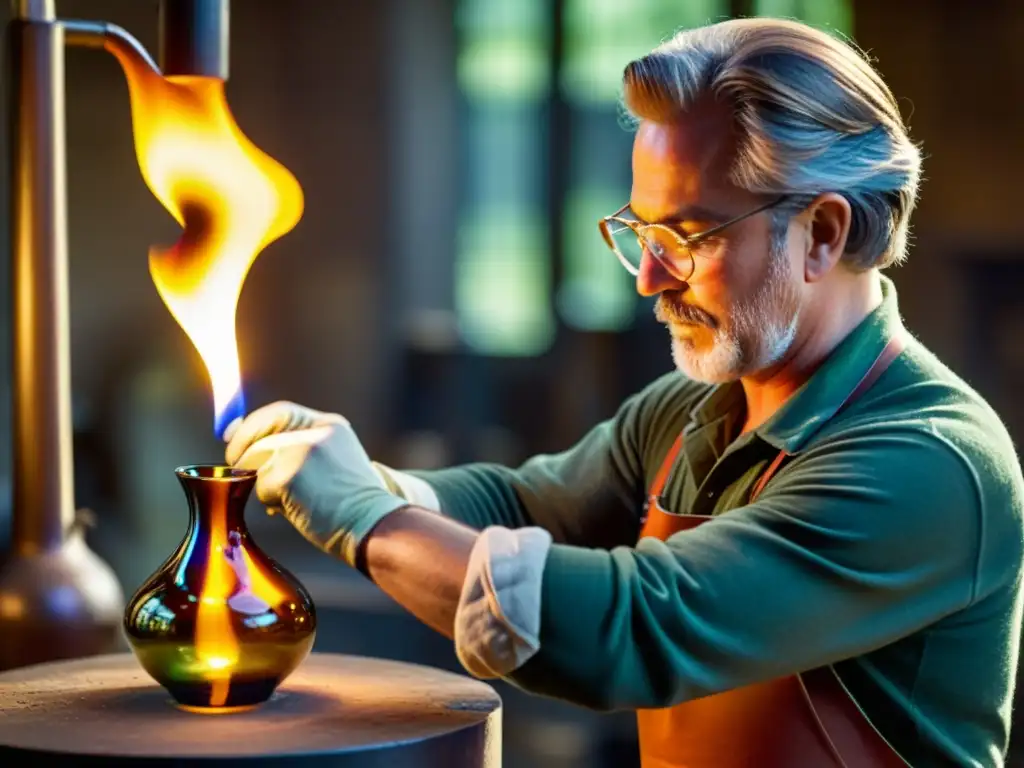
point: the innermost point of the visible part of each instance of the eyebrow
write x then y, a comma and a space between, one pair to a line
686, 213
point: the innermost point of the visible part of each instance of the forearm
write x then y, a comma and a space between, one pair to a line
480, 589
419, 560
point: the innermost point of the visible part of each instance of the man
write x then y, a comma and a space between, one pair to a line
828, 568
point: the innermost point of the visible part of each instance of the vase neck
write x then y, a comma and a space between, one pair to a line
217, 498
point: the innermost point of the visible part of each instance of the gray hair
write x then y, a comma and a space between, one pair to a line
811, 116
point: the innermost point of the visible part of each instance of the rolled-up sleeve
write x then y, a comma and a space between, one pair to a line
497, 624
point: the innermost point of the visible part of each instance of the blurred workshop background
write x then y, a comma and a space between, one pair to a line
447, 288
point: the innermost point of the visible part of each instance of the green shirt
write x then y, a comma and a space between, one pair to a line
889, 545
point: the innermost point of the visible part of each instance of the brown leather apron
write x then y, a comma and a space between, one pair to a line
806, 720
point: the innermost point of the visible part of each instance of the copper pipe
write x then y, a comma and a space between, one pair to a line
57, 599
43, 474
43, 470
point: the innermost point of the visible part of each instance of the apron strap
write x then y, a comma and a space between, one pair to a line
666, 467
885, 358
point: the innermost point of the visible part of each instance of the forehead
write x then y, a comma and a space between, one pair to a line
682, 163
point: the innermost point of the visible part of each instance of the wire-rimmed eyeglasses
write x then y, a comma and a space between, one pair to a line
629, 238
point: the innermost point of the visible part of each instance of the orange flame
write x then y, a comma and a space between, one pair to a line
232, 200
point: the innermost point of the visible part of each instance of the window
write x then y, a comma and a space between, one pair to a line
502, 267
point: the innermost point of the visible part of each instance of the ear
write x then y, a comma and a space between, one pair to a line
829, 218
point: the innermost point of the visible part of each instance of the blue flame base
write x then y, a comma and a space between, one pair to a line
235, 409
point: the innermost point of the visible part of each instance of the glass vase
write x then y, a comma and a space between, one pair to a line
220, 625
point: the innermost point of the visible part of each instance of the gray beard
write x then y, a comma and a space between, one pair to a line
758, 333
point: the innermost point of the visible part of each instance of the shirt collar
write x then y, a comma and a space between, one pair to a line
823, 394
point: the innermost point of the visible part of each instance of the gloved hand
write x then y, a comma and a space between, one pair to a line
313, 469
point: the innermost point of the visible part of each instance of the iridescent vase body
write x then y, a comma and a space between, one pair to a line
220, 625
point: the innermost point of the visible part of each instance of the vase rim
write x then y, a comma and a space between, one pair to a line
215, 473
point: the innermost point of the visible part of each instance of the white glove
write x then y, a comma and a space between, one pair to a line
413, 489
313, 469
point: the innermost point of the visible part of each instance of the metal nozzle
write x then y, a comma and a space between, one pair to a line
194, 38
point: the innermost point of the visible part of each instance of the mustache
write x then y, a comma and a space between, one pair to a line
670, 308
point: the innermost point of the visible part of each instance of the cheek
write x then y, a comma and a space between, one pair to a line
709, 289
796, 247
723, 280
746, 265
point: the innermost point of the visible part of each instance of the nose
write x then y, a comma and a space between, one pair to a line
653, 278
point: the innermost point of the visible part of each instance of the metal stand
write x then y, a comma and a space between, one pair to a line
57, 599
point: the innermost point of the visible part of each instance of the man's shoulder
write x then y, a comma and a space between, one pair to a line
922, 413
926, 395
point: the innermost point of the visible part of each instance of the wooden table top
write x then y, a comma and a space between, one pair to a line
345, 710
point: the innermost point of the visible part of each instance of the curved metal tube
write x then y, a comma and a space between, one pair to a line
43, 474
110, 37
